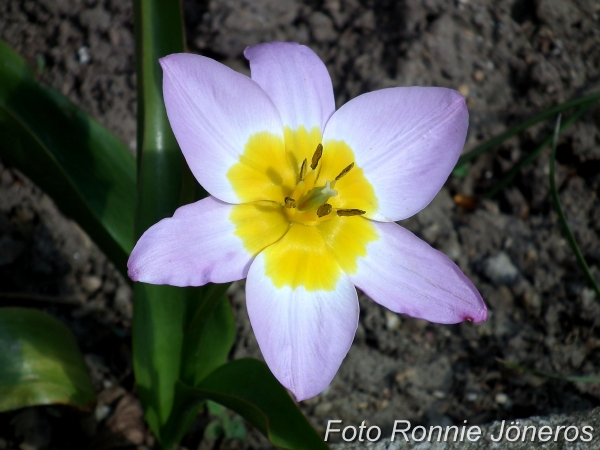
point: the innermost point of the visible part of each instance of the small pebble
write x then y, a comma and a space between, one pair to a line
501, 398
392, 321
123, 302
101, 412
439, 394
83, 55
91, 283
500, 269
472, 396
479, 76
323, 409
382, 405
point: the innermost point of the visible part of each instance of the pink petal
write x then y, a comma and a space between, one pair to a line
196, 246
407, 141
213, 111
406, 275
296, 80
303, 335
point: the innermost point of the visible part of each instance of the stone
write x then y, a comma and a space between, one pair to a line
500, 269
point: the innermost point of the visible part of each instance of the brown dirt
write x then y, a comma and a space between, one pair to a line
510, 59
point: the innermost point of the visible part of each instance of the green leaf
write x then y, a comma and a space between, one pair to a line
236, 429
460, 171
208, 334
178, 334
87, 171
571, 378
230, 428
213, 430
209, 337
529, 158
563, 218
496, 141
40, 363
248, 387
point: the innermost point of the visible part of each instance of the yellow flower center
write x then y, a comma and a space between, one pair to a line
305, 204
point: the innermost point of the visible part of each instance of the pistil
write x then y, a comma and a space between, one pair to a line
315, 200
316, 197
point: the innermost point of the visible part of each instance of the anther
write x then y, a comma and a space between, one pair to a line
290, 202
345, 171
316, 157
303, 170
324, 209
350, 212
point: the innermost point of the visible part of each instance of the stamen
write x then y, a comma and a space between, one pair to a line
345, 171
350, 212
324, 209
316, 157
290, 202
303, 170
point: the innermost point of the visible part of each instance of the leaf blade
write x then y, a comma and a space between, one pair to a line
161, 338
88, 172
260, 399
497, 140
40, 363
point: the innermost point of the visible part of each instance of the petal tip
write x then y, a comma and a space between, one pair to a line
252, 50
479, 315
165, 61
307, 392
133, 274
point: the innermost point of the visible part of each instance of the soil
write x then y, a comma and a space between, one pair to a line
511, 59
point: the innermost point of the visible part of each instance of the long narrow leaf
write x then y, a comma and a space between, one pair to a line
513, 172
496, 141
88, 172
159, 311
208, 338
571, 378
563, 219
40, 363
259, 398
166, 348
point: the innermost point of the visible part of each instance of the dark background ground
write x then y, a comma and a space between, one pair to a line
511, 59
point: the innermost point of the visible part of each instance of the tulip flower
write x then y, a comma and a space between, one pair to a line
303, 200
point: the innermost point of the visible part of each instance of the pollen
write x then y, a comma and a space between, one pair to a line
324, 209
345, 171
350, 212
302, 170
316, 157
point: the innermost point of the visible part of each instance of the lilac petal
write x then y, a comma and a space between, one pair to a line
407, 141
196, 246
213, 111
303, 335
406, 275
296, 80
